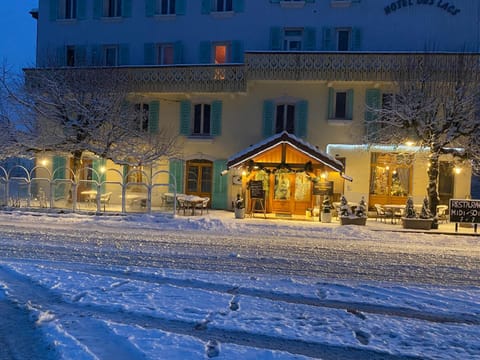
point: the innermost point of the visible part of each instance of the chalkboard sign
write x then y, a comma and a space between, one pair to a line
323, 188
465, 211
256, 189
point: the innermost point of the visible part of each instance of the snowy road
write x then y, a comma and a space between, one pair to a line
101, 289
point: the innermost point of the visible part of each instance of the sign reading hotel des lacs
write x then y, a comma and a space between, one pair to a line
447, 6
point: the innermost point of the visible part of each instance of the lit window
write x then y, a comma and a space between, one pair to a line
220, 54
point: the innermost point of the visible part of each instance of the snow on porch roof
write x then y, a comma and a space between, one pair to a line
284, 138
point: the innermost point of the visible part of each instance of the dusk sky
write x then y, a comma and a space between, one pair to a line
18, 33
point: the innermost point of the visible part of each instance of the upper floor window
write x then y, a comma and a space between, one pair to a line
285, 118
71, 56
220, 53
293, 39
67, 9
223, 5
165, 7
201, 119
340, 104
343, 39
165, 54
110, 56
112, 8
142, 117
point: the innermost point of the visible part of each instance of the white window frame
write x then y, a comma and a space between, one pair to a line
164, 7
223, 6
285, 105
202, 120
349, 44
160, 53
67, 9
289, 39
115, 52
112, 8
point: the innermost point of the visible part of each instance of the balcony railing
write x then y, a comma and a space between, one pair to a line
355, 66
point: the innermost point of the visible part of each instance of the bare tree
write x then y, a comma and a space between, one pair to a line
435, 104
86, 110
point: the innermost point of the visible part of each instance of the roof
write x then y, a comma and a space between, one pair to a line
284, 138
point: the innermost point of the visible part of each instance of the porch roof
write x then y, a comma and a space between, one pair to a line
284, 137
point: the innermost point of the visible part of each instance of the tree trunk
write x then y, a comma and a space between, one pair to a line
77, 161
432, 189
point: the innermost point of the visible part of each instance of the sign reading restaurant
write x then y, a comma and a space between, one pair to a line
441, 4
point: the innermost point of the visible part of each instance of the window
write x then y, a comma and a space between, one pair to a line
111, 56
142, 117
112, 8
223, 5
220, 53
340, 105
343, 40
199, 177
292, 39
165, 7
201, 119
391, 175
165, 54
285, 118
71, 56
67, 9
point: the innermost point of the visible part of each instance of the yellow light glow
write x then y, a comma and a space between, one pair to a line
409, 143
457, 170
103, 169
244, 173
44, 162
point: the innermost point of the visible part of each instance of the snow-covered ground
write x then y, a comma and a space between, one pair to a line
156, 287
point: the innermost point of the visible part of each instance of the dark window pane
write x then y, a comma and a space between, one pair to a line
343, 40
197, 119
206, 179
206, 119
280, 118
192, 182
340, 105
290, 126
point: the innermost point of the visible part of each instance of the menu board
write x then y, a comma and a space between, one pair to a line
323, 188
256, 189
464, 211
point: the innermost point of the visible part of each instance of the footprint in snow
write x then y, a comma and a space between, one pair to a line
356, 313
362, 337
234, 304
212, 348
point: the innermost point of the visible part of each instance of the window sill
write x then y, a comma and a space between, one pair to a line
340, 3
339, 122
66, 21
162, 17
222, 14
292, 4
112, 18
201, 138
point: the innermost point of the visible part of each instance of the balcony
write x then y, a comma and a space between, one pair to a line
354, 66
191, 78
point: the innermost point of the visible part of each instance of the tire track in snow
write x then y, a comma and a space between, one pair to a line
81, 321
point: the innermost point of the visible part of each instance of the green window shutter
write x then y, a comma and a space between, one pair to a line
268, 115
206, 6
176, 169
149, 53
61, 59
81, 9
349, 112
220, 185
205, 52
180, 7
216, 129
153, 116
97, 56
97, 9
276, 38
81, 55
237, 52
331, 101
327, 40
310, 39
127, 8
301, 118
149, 8
356, 39
178, 52
124, 50
185, 112
53, 10
238, 6
58, 170
99, 176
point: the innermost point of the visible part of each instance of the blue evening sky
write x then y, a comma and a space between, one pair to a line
17, 33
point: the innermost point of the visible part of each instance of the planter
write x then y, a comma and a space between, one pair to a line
239, 213
347, 220
326, 217
418, 224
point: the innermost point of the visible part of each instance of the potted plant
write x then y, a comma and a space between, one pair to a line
411, 220
239, 208
326, 214
347, 217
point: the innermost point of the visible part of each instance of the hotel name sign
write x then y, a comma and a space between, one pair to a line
447, 6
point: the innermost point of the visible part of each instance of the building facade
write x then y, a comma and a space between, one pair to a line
229, 76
